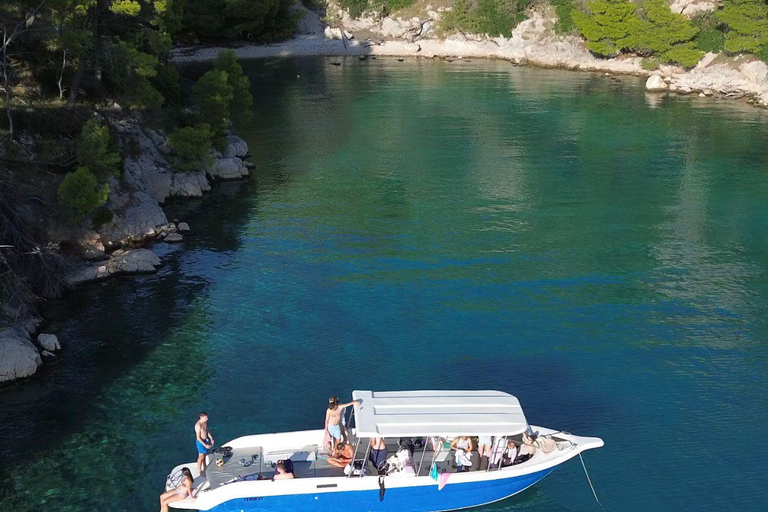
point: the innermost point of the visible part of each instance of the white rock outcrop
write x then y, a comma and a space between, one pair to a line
182, 226
189, 184
49, 342
228, 169
236, 147
656, 84
173, 238
18, 356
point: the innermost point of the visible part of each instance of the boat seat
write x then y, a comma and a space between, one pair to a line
304, 454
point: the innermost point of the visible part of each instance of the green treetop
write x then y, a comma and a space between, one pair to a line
242, 100
80, 194
213, 96
747, 24
609, 26
94, 151
666, 34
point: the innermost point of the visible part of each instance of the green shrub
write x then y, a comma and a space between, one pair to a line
80, 194
666, 34
213, 96
650, 64
242, 101
710, 38
763, 53
102, 215
609, 26
94, 150
492, 17
356, 8
260, 20
191, 145
394, 5
747, 23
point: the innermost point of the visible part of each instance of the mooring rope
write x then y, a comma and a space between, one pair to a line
589, 480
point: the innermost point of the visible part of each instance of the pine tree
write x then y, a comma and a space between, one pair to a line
610, 26
666, 34
747, 22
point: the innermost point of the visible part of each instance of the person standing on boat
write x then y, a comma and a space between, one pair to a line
463, 446
333, 426
484, 444
378, 453
203, 441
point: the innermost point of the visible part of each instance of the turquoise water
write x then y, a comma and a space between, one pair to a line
597, 252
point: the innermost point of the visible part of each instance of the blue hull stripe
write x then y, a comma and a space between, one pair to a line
403, 499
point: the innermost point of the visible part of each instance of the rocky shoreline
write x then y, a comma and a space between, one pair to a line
533, 42
147, 182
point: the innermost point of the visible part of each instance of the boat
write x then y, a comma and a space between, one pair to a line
420, 474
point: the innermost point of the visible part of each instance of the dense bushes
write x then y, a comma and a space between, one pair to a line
94, 151
746, 24
191, 145
356, 8
650, 28
564, 10
613, 26
492, 17
80, 193
258, 20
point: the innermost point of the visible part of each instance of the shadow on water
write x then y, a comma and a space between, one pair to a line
90, 415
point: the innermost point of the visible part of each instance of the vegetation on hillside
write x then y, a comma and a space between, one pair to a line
649, 28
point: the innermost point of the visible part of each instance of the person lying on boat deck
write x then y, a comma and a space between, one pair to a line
345, 452
181, 492
378, 453
484, 444
203, 441
333, 424
282, 472
463, 446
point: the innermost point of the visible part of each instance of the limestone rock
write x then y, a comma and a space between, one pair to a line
189, 184
136, 261
93, 251
228, 169
156, 137
49, 342
18, 356
655, 84
755, 71
183, 226
173, 238
236, 147
48, 357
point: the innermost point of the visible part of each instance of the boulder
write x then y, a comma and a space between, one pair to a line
189, 184
227, 169
18, 356
49, 342
655, 84
48, 357
236, 147
755, 71
182, 226
156, 138
136, 261
173, 238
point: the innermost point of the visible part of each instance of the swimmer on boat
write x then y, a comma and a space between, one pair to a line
203, 441
183, 491
333, 426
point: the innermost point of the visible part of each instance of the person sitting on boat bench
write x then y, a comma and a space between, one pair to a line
527, 449
509, 455
345, 452
182, 492
282, 472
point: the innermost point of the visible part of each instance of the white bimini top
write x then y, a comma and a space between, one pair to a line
437, 413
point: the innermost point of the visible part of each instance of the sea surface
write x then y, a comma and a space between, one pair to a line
596, 251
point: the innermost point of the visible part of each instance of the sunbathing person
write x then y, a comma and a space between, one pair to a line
344, 455
527, 449
183, 491
282, 472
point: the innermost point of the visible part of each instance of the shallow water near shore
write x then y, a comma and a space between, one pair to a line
598, 252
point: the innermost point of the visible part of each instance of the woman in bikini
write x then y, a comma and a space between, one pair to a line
183, 491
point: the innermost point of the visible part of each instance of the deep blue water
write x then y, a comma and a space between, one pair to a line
597, 252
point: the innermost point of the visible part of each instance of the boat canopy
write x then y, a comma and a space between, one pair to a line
437, 413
